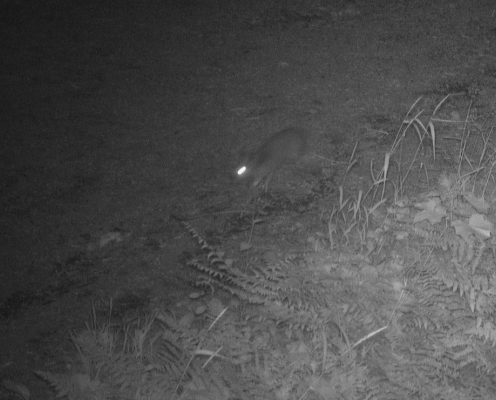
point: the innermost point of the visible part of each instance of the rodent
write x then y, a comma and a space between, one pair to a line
281, 148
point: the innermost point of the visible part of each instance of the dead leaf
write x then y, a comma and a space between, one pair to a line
479, 204
462, 229
243, 246
433, 212
481, 226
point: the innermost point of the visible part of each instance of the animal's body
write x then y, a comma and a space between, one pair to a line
280, 149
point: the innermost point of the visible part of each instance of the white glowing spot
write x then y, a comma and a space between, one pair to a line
242, 170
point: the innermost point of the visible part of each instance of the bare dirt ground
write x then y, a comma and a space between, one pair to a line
119, 117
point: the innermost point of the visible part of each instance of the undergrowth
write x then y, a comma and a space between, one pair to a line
417, 324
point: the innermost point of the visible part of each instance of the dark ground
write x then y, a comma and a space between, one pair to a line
117, 115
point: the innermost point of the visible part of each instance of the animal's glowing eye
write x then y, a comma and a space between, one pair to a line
242, 170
